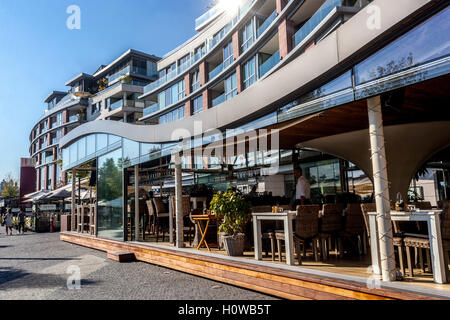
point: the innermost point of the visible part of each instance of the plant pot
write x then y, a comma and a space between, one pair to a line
234, 245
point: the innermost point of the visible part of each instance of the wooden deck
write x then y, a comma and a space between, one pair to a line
309, 282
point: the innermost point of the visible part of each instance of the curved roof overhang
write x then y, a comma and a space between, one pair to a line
325, 58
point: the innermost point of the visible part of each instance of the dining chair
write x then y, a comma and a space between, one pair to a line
306, 231
331, 226
188, 226
397, 239
354, 229
162, 218
424, 243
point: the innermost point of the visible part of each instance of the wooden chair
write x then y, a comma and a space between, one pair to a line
83, 219
267, 230
330, 228
424, 243
353, 229
306, 230
162, 218
92, 219
397, 240
188, 225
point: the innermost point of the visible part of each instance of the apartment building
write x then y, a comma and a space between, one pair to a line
110, 93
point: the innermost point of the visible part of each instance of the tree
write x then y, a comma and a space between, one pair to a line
10, 187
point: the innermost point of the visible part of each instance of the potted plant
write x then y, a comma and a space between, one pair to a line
234, 211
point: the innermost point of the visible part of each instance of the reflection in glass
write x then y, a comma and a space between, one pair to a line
102, 141
109, 196
427, 42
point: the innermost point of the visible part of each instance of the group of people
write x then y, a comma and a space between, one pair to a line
8, 222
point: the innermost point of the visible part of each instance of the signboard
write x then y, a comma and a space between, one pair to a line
68, 207
28, 209
2, 203
15, 210
47, 207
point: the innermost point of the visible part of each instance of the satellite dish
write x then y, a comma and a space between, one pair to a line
82, 94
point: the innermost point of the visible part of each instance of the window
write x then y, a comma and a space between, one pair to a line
195, 78
228, 55
250, 72
197, 105
172, 95
230, 87
183, 60
59, 119
94, 108
99, 105
200, 51
172, 116
248, 35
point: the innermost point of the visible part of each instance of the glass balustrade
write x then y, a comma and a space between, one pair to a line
319, 16
212, 44
269, 64
151, 109
216, 71
218, 100
117, 75
267, 23
116, 105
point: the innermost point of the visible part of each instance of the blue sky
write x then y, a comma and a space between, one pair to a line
38, 53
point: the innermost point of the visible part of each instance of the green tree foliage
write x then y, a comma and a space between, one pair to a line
109, 181
10, 188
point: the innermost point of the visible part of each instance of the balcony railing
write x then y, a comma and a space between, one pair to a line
120, 104
211, 45
216, 71
318, 17
266, 23
218, 100
117, 75
151, 109
269, 64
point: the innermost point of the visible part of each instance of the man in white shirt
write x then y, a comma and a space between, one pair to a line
302, 190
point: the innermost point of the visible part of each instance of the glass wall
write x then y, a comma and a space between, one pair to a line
425, 43
109, 196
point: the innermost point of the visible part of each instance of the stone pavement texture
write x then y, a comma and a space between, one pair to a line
35, 266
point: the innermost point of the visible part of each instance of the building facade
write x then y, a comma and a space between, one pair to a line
108, 94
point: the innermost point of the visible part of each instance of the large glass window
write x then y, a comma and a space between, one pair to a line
102, 141
197, 105
195, 78
109, 196
130, 149
230, 87
248, 35
424, 43
228, 54
250, 72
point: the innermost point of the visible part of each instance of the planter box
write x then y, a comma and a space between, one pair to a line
234, 245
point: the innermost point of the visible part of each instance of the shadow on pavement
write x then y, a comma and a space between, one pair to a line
17, 279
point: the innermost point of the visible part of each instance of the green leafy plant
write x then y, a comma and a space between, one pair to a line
233, 209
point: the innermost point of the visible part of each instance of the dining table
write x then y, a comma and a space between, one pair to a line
432, 217
286, 217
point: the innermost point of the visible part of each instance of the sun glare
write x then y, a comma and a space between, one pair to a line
230, 6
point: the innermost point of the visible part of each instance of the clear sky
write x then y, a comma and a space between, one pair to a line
38, 53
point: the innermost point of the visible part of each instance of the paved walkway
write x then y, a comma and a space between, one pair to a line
38, 266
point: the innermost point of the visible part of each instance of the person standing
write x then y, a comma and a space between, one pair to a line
21, 221
302, 190
9, 222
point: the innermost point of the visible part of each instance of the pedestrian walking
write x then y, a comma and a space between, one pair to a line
9, 222
21, 221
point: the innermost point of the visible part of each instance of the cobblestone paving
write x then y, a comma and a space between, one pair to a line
35, 266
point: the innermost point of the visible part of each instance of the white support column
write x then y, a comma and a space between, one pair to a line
381, 183
136, 203
179, 202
